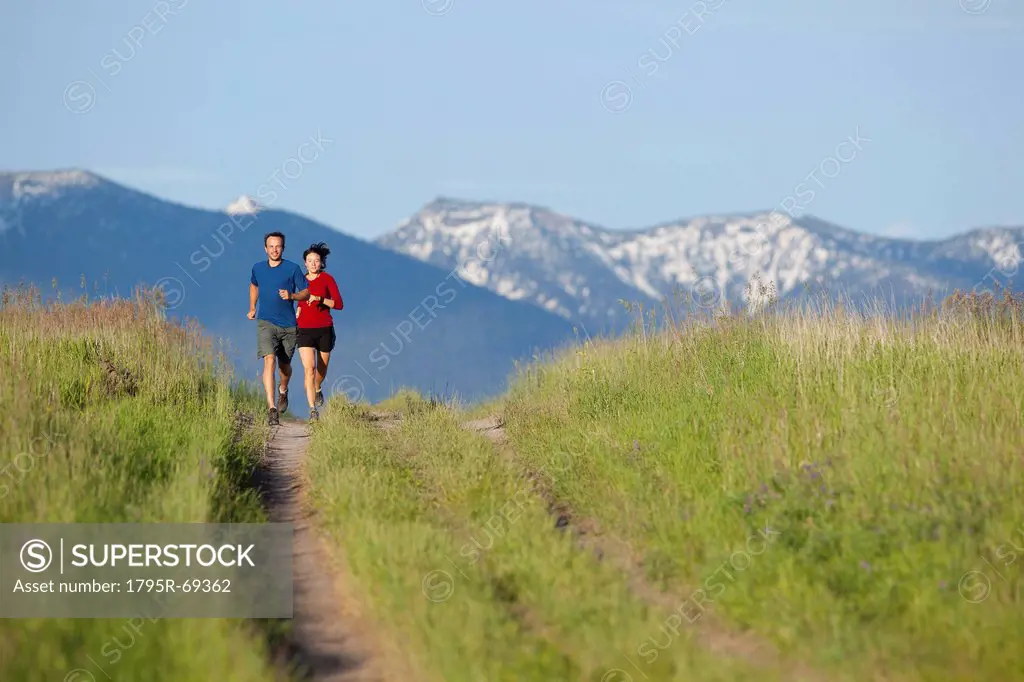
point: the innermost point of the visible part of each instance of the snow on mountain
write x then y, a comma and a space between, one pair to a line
30, 190
16, 188
582, 271
522, 253
243, 205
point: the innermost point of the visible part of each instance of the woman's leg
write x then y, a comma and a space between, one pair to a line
321, 368
324, 357
308, 355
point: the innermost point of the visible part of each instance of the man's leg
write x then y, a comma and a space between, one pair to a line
265, 350
268, 379
287, 338
286, 375
284, 364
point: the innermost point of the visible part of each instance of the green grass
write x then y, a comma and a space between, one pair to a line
108, 414
847, 489
887, 455
458, 560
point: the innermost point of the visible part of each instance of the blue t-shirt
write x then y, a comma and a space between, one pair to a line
272, 307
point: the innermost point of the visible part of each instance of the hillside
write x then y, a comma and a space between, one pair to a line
110, 415
404, 323
580, 270
790, 497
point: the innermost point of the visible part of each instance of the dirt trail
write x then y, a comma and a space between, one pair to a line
708, 632
330, 639
491, 427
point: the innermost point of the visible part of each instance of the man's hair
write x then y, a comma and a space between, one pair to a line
320, 249
268, 235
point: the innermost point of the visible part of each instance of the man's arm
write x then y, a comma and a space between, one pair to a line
301, 286
254, 294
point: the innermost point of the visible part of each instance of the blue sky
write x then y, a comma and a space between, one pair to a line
200, 101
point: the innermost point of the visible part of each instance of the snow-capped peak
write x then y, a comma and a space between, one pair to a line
582, 271
18, 190
243, 205
16, 187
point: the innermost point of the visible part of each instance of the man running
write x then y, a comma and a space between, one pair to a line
276, 331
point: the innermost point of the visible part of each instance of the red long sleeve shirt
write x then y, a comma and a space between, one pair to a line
317, 314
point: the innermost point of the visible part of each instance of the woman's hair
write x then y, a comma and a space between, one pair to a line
320, 249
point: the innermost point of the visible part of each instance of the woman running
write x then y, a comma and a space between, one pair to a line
316, 328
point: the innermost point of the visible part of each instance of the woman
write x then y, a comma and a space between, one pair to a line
316, 328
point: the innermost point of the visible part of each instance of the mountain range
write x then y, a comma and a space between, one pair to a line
581, 271
455, 295
404, 322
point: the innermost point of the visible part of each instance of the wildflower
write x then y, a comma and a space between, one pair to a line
865, 565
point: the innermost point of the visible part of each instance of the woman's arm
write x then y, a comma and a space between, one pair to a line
332, 288
334, 301
329, 302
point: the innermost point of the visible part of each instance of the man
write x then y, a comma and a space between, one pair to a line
276, 332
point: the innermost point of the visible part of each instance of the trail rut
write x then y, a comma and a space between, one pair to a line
712, 635
329, 640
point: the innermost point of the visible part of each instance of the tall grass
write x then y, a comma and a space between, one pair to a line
109, 413
459, 563
885, 450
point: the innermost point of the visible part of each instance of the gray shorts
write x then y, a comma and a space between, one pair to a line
279, 341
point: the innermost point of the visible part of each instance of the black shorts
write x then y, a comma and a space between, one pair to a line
321, 338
